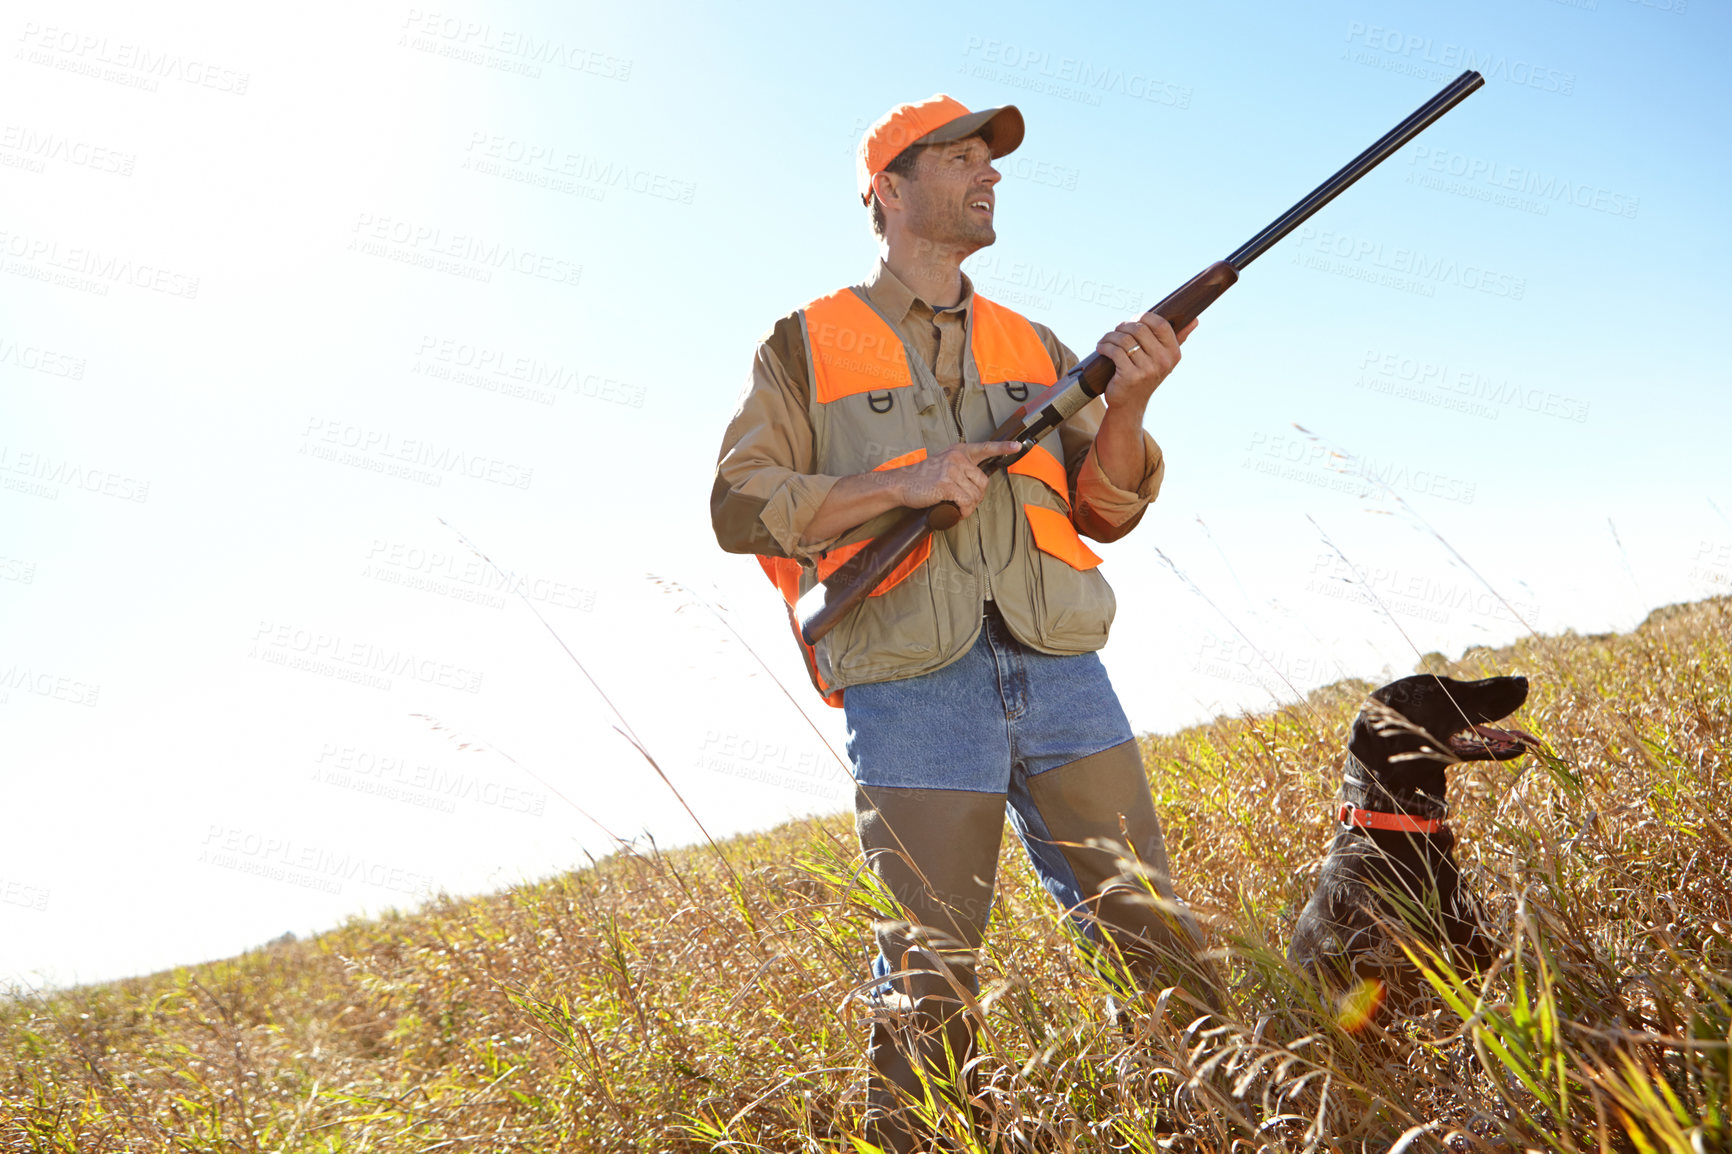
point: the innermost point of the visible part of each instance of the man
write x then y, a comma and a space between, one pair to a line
969, 679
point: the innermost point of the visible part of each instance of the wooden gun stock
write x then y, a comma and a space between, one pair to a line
819, 610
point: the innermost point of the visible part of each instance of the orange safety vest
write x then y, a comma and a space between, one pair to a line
853, 351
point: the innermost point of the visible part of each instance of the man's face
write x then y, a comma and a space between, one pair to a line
952, 197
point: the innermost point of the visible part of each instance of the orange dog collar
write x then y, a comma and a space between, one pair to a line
1351, 814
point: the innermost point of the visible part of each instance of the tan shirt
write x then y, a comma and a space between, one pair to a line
765, 491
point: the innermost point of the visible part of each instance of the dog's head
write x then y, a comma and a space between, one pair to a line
1412, 729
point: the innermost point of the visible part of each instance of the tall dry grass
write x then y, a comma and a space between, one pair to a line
702, 999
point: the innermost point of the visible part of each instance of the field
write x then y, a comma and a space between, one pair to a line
703, 999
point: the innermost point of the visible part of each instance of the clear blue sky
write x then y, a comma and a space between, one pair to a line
279, 294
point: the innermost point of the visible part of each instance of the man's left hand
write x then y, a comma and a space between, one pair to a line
1143, 352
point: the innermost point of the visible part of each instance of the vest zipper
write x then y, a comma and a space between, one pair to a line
962, 438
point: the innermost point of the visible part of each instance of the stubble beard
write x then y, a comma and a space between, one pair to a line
952, 227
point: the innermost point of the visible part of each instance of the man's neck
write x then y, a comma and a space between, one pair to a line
933, 271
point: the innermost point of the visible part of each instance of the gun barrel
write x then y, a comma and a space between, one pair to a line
1452, 95
825, 604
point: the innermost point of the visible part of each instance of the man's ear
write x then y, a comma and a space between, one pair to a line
884, 186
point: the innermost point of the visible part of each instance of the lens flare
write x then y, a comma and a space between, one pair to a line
1359, 1005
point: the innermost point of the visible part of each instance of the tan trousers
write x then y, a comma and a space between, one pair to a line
937, 852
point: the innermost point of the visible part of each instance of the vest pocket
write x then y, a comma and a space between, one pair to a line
1071, 603
905, 628
1074, 607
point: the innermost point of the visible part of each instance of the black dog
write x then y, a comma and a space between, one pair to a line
1392, 862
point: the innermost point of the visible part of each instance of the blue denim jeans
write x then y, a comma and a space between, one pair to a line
989, 722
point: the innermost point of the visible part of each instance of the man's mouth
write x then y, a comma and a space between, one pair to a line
1483, 743
981, 206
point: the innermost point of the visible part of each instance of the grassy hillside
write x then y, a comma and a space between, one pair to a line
679, 1001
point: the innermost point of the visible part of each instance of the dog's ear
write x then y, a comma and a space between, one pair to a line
1393, 736
1407, 692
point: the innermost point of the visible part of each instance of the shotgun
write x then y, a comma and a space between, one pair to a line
824, 605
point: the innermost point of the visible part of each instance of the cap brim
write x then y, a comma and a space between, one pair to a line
1001, 128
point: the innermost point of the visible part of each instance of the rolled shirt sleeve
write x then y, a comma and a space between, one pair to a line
1102, 509
765, 493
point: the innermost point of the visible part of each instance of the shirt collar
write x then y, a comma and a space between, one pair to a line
894, 298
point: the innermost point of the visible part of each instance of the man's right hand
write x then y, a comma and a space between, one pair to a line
953, 475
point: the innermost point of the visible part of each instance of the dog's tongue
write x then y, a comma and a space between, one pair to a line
1478, 740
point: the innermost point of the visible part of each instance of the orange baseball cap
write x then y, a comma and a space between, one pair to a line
936, 120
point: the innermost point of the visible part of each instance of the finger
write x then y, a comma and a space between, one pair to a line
966, 492
1159, 329
1147, 338
986, 450
1187, 330
1117, 352
1136, 338
967, 483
